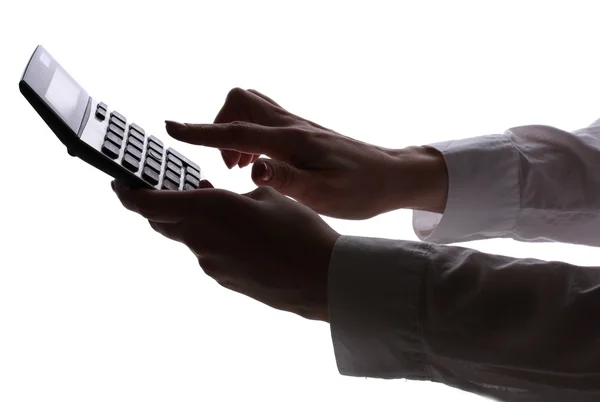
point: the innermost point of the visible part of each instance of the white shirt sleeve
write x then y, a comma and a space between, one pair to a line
532, 183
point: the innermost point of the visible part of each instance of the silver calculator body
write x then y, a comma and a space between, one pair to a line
99, 135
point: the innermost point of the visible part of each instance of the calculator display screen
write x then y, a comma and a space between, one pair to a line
63, 93
56, 88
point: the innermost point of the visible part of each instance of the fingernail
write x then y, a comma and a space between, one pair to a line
205, 184
228, 161
264, 171
174, 126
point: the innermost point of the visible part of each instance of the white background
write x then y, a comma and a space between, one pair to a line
95, 306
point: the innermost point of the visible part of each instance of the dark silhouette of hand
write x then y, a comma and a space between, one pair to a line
332, 174
261, 244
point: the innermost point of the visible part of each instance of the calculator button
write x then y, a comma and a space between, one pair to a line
185, 160
188, 186
137, 128
135, 142
177, 155
154, 146
190, 170
110, 149
153, 154
153, 139
117, 123
137, 135
193, 166
170, 185
192, 180
119, 116
131, 163
150, 175
101, 111
174, 160
172, 176
114, 139
116, 130
137, 154
153, 164
100, 114
173, 167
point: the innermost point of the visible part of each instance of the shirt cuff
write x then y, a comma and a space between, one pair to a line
483, 191
374, 292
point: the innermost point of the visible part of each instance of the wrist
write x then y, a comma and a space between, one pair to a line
421, 179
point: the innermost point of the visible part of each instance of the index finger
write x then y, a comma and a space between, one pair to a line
276, 142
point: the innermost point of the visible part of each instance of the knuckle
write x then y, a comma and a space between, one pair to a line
263, 192
284, 176
221, 196
238, 125
300, 137
236, 94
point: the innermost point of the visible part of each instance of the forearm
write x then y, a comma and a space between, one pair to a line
484, 323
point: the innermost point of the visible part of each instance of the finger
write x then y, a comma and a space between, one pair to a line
246, 106
281, 109
205, 184
277, 142
281, 176
172, 206
265, 97
231, 158
171, 231
254, 158
245, 160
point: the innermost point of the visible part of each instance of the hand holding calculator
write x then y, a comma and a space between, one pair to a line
100, 136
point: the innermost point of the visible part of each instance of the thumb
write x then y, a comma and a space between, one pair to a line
283, 177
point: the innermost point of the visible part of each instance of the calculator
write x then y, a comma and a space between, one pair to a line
99, 135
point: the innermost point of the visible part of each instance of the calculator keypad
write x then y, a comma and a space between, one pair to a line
167, 167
